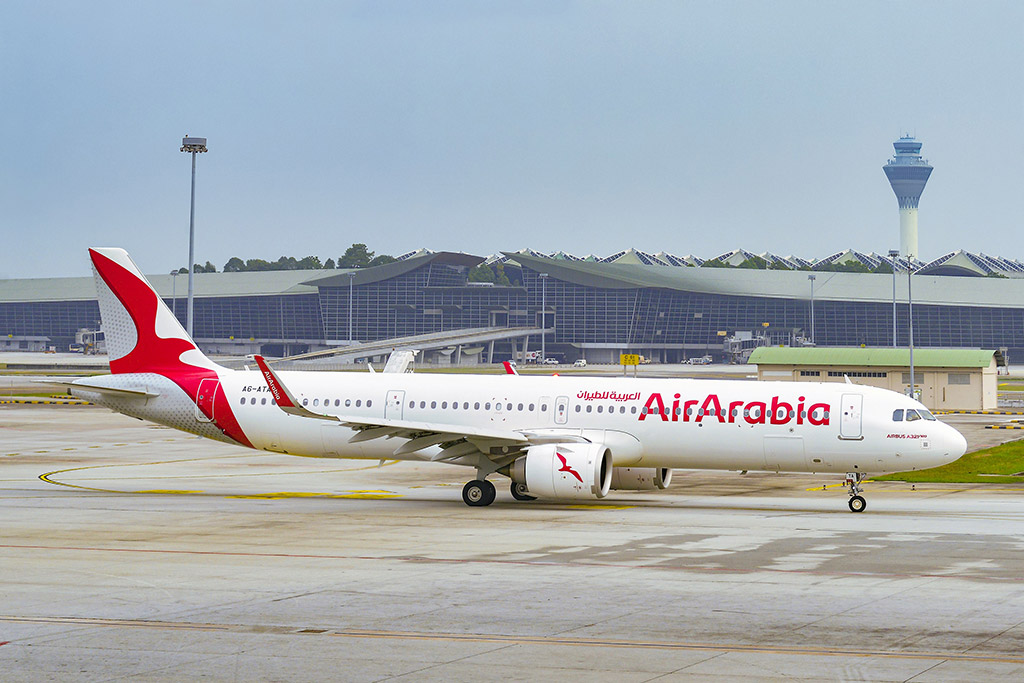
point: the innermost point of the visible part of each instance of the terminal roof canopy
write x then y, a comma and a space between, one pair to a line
887, 357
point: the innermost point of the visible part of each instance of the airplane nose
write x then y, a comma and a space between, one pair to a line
954, 444
959, 446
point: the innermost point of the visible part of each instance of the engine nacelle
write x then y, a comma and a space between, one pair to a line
565, 470
640, 478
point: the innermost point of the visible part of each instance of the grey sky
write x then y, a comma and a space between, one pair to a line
693, 127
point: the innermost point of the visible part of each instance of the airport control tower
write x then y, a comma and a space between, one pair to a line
907, 173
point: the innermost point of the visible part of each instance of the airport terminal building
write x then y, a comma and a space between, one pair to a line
664, 307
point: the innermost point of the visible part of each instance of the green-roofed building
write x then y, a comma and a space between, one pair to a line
950, 379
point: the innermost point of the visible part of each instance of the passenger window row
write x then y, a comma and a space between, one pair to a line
712, 412
337, 402
600, 409
252, 401
455, 405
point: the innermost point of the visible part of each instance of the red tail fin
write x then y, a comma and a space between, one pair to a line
142, 334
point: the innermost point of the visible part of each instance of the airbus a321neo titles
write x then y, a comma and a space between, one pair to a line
564, 438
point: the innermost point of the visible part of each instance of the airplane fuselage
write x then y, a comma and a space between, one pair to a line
675, 423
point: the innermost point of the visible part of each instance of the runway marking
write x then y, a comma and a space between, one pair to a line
984, 487
542, 563
368, 495
834, 486
784, 650
357, 494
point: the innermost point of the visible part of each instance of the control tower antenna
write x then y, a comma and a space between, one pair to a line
907, 173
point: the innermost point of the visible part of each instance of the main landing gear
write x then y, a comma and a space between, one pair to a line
857, 502
478, 493
520, 492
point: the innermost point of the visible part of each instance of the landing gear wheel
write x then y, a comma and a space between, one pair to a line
478, 493
520, 492
857, 502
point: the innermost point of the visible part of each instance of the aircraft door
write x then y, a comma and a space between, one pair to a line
205, 396
850, 416
393, 407
561, 410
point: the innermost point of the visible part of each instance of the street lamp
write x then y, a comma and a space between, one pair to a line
894, 254
910, 316
812, 278
351, 283
543, 315
193, 146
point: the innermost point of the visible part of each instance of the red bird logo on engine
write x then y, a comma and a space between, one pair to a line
565, 467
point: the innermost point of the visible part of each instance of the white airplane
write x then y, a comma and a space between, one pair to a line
566, 438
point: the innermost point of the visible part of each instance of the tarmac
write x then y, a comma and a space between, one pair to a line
129, 551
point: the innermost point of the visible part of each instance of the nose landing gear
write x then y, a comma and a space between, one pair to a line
857, 502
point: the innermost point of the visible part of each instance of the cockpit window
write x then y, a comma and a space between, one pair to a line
912, 415
925, 414
897, 415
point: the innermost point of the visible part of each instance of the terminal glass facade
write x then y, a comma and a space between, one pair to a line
582, 319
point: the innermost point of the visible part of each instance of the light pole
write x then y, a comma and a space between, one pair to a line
193, 146
910, 316
351, 284
894, 254
543, 315
174, 293
812, 278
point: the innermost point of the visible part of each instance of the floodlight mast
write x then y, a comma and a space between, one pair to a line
894, 255
193, 146
811, 278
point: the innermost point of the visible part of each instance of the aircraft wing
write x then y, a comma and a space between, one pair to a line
419, 434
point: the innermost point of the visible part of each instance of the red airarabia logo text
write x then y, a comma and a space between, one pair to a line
776, 412
565, 467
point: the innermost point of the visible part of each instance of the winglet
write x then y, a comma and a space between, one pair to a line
510, 369
282, 397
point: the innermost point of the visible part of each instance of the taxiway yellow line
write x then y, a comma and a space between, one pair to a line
369, 494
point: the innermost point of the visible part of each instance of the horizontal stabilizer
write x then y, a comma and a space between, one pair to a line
87, 385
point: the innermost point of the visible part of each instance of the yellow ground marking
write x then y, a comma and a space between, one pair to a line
920, 488
368, 494
823, 487
44, 401
303, 494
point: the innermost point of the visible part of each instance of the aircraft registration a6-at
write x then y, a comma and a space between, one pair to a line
562, 438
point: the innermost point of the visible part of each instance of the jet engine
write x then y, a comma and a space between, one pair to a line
640, 478
564, 470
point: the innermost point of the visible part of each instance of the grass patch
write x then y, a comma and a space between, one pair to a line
1006, 459
1011, 387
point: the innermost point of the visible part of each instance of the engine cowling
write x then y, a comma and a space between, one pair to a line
640, 478
576, 471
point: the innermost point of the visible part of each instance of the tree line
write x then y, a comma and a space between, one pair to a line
356, 256
758, 263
